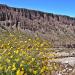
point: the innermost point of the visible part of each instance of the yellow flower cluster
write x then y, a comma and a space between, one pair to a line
22, 55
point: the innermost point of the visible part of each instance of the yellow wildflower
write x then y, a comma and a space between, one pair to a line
8, 60
0, 57
16, 51
1, 67
34, 72
14, 67
21, 65
17, 59
19, 72
9, 67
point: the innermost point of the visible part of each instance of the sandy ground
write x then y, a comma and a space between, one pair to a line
67, 59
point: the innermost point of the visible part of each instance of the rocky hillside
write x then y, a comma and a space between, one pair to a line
58, 29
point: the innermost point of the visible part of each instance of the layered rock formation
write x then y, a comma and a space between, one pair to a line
58, 29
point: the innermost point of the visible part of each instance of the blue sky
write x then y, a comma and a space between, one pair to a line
64, 7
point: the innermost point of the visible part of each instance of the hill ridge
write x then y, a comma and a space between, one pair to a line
58, 29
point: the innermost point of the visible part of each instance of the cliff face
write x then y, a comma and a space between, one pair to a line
60, 30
